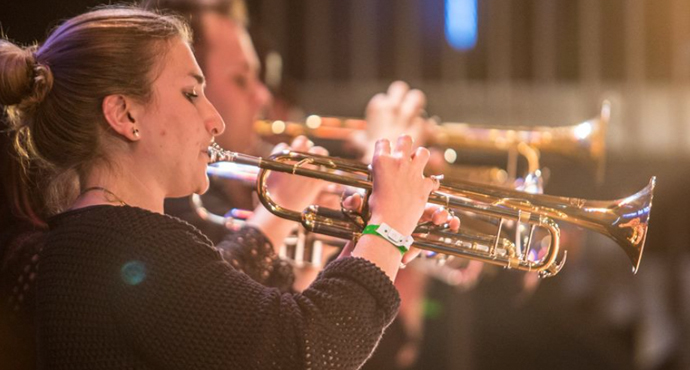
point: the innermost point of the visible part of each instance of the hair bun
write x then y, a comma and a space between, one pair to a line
22, 79
42, 82
16, 72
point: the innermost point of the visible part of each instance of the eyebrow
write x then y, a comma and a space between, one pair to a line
245, 66
199, 78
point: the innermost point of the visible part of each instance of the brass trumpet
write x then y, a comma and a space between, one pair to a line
584, 140
624, 220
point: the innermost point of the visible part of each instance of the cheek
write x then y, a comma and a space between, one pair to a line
163, 132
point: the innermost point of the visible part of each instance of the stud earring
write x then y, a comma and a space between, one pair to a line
135, 132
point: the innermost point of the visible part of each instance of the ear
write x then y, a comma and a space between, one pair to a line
116, 110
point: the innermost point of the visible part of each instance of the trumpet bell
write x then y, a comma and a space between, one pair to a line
629, 230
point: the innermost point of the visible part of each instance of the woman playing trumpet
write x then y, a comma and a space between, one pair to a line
113, 105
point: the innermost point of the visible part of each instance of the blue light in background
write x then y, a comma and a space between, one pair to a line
461, 23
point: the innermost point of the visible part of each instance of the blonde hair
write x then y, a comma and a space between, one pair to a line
53, 96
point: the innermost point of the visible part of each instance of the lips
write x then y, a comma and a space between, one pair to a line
205, 150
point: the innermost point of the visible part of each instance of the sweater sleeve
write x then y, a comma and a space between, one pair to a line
249, 251
189, 308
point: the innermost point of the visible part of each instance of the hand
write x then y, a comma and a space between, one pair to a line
389, 115
400, 190
291, 191
432, 213
438, 216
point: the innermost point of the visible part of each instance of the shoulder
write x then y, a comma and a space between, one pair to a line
124, 229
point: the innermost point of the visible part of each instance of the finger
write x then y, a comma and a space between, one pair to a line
396, 93
300, 143
430, 185
411, 106
318, 150
410, 255
437, 160
347, 249
353, 202
418, 130
279, 148
454, 223
383, 146
421, 157
429, 211
404, 146
440, 217
474, 268
375, 104
434, 181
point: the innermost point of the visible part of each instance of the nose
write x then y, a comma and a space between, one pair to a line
262, 96
212, 120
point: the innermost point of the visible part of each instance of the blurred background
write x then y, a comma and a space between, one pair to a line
512, 62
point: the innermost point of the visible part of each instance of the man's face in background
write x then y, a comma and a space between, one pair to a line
231, 67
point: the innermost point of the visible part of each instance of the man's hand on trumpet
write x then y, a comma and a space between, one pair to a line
292, 192
296, 192
392, 114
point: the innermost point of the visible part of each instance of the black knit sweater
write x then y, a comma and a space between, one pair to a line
124, 288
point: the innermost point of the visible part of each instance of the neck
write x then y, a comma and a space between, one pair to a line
132, 188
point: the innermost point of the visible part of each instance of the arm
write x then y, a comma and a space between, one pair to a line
251, 252
195, 310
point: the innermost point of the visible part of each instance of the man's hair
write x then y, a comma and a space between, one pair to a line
191, 11
233, 9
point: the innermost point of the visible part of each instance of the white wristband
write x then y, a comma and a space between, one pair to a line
393, 236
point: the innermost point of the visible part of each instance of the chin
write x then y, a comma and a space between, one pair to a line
203, 188
202, 185
199, 187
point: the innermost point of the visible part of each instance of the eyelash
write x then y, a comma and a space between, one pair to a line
191, 96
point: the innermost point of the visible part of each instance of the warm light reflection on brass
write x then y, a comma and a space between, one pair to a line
624, 221
582, 141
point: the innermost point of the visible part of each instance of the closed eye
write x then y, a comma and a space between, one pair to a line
241, 81
191, 96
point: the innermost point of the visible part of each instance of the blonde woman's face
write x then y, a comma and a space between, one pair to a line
178, 125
